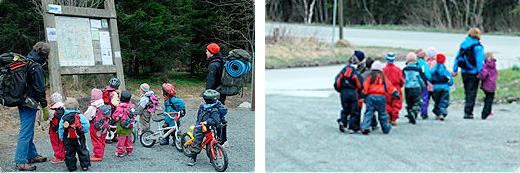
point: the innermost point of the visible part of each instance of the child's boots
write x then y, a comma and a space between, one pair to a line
166, 141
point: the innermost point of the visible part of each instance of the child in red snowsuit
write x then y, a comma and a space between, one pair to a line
395, 76
98, 114
56, 111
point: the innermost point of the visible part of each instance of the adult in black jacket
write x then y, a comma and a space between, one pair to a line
26, 150
214, 69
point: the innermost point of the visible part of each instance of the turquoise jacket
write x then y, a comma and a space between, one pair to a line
424, 67
479, 56
173, 104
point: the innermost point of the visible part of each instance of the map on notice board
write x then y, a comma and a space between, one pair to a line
74, 41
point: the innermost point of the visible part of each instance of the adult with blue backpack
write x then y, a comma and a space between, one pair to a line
470, 59
22, 85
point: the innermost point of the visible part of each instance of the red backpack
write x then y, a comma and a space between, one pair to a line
102, 117
106, 97
74, 128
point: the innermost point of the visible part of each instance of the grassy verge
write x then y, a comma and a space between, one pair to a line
303, 52
507, 86
420, 29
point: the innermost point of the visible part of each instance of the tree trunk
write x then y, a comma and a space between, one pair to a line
311, 11
466, 18
372, 20
448, 16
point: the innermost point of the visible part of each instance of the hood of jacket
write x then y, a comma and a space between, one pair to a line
209, 106
58, 105
126, 104
490, 64
70, 111
147, 94
97, 103
33, 55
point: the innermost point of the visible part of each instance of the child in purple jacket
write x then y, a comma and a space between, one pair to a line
488, 75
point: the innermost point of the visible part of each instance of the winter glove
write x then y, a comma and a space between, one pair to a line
46, 113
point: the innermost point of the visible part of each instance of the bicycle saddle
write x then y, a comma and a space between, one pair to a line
158, 119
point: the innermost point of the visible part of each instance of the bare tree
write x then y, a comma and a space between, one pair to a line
310, 11
447, 11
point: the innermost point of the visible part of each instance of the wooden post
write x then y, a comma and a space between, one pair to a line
54, 66
114, 39
340, 18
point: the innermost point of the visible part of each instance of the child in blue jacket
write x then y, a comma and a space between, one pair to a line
72, 130
415, 81
441, 79
172, 104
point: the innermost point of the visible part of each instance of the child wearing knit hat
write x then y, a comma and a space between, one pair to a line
348, 82
147, 106
375, 87
427, 93
394, 75
56, 110
441, 79
415, 81
98, 114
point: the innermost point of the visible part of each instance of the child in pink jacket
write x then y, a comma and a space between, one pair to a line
98, 114
56, 111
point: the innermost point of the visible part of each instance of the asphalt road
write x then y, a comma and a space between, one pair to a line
159, 158
302, 135
506, 48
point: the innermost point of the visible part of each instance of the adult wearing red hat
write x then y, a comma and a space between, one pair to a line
214, 69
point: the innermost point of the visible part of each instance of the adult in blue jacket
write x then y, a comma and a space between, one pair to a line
469, 76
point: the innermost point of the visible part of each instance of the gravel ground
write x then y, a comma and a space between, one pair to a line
302, 135
157, 158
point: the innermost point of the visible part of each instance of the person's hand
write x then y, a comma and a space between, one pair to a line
46, 113
204, 123
454, 74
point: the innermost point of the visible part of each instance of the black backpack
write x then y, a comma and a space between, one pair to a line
466, 58
235, 66
439, 78
14, 70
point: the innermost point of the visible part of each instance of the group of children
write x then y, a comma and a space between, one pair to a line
425, 76
110, 107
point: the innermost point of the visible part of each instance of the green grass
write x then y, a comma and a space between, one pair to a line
506, 85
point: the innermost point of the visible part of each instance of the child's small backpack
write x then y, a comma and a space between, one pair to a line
222, 110
106, 97
58, 113
102, 117
152, 103
438, 77
75, 126
128, 117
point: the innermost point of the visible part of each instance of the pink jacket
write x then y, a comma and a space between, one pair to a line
431, 63
91, 111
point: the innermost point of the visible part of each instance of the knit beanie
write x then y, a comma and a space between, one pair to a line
126, 96
56, 97
96, 94
144, 87
71, 103
213, 48
360, 55
390, 57
377, 65
441, 58
431, 52
411, 57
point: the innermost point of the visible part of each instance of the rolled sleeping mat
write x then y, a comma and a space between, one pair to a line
236, 68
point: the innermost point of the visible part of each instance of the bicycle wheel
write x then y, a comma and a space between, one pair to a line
186, 147
147, 139
220, 161
178, 141
133, 137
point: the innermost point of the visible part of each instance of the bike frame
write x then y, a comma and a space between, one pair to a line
209, 138
160, 129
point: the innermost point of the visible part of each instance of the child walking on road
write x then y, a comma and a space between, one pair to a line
394, 75
415, 81
442, 80
488, 75
348, 83
375, 87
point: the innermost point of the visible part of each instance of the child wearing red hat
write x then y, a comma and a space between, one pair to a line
441, 79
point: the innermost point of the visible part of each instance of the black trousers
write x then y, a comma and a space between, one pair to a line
488, 103
222, 132
198, 136
222, 98
470, 90
73, 147
413, 101
349, 103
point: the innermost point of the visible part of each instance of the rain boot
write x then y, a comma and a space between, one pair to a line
193, 161
166, 141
